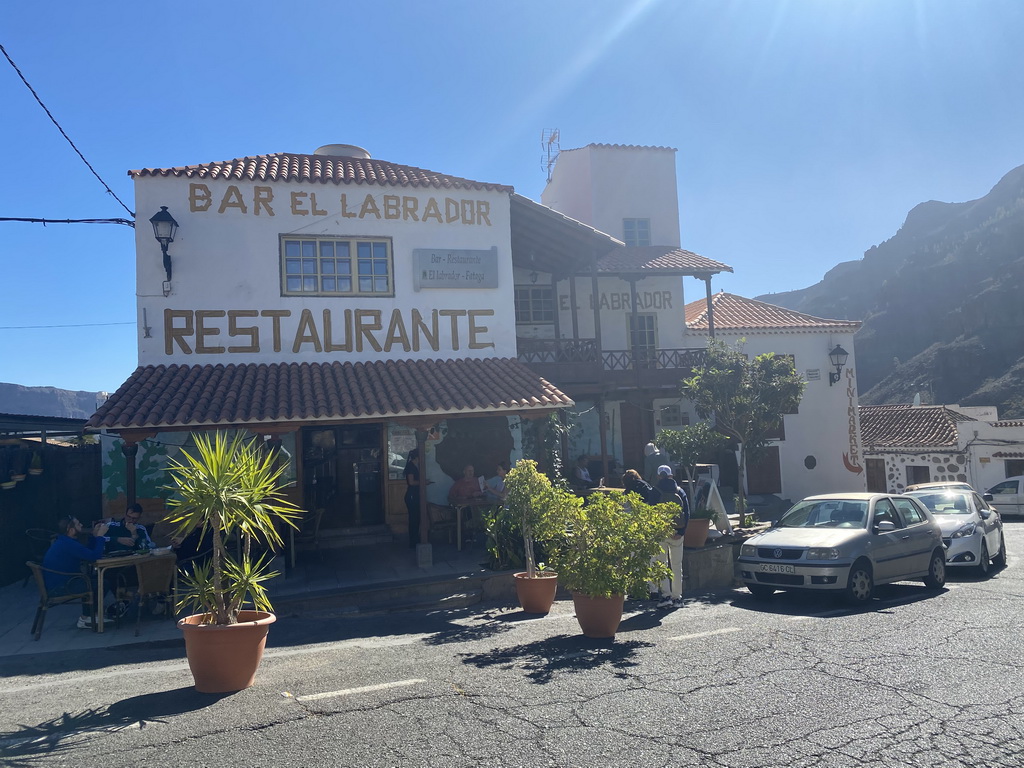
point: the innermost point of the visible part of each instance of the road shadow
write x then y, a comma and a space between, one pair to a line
58, 737
823, 605
542, 660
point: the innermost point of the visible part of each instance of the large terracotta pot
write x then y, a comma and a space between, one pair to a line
696, 532
224, 659
537, 594
599, 617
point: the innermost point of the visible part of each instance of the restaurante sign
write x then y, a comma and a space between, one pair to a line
206, 331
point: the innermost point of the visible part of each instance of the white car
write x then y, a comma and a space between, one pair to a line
1008, 496
846, 543
972, 530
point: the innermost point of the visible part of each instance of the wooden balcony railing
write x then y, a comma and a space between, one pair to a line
575, 360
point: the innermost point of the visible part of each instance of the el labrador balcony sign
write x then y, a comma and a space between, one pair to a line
456, 268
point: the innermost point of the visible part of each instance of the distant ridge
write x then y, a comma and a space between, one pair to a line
942, 302
48, 401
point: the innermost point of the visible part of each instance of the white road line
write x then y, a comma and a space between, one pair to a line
724, 631
364, 689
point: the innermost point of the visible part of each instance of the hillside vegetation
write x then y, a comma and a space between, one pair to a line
942, 302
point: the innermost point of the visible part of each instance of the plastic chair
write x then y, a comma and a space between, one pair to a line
156, 579
46, 600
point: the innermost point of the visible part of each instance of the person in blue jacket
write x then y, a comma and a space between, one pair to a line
66, 555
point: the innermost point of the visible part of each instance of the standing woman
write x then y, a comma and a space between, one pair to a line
412, 495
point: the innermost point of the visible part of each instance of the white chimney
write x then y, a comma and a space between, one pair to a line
343, 150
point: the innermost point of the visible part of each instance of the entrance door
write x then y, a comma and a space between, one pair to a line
342, 474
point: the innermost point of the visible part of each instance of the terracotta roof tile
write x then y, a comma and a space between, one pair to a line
905, 426
658, 258
739, 313
323, 169
206, 395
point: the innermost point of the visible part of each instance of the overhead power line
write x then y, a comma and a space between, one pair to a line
75, 325
126, 222
62, 132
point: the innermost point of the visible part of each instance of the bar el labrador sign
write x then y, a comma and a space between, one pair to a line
455, 268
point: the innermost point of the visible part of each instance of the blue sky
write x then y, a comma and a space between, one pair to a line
806, 129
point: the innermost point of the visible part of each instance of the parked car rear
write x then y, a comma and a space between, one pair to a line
1008, 496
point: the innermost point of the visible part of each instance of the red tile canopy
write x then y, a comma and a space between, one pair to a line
167, 397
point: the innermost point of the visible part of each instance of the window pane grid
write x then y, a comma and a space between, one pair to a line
323, 266
535, 304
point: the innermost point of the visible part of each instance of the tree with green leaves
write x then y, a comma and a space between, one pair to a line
689, 446
231, 487
747, 399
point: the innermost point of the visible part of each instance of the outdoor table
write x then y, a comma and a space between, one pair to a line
470, 506
122, 561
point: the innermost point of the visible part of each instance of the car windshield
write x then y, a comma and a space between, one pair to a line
827, 513
945, 503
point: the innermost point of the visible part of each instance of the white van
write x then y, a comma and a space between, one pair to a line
1008, 496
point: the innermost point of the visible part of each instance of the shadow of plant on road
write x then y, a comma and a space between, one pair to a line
543, 659
59, 736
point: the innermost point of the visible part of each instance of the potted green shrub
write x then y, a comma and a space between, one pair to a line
536, 507
228, 488
697, 529
606, 550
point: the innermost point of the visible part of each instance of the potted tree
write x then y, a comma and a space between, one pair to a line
536, 507
697, 529
606, 550
227, 488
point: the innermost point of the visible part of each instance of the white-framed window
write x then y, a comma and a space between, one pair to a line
336, 266
673, 416
535, 304
636, 231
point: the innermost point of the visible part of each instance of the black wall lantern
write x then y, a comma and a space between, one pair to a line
164, 227
838, 359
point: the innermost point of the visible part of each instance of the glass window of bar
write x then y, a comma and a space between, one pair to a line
336, 266
535, 304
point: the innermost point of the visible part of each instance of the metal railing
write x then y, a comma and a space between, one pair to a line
542, 351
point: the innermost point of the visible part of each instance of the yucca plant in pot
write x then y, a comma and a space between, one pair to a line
538, 509
229, 488
606, 550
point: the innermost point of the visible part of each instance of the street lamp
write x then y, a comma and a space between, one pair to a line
164, 227
838, 358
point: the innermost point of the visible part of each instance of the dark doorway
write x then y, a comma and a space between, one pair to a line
342, 474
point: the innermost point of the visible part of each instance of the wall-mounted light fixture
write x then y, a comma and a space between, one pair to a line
533, 277
838, 358
164, 227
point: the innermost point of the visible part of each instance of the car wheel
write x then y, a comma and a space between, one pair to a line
1000, 559
936, 578
983, 561
860, 585
761, 591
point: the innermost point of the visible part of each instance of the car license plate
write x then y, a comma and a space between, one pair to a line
776, 568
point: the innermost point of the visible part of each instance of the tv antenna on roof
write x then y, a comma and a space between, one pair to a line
550, 146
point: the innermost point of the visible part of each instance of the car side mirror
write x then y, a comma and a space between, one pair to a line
985, 513
987, 497
884, 526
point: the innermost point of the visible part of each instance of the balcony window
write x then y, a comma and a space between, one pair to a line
535, 304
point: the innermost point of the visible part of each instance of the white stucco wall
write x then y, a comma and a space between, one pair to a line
826, 428
226, 258
601, 185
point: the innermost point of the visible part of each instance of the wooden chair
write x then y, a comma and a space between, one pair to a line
78, 589
442, 518
308, 533
156, 579
38, 540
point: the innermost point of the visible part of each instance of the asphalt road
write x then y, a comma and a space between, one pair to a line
916, 679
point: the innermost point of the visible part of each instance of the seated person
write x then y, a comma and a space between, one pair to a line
466, 489
67, 555
495, 488
633, 483
128, 533
581, 475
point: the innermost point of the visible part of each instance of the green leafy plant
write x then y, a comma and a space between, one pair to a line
608, 546
704, 513
535, 506
689, 446
229, 487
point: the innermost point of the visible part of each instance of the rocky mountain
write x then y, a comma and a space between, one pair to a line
48, 401
941, 301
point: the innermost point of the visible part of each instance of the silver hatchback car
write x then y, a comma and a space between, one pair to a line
846, 543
